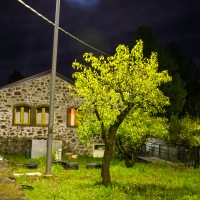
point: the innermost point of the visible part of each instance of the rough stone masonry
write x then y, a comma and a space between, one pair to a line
34, 92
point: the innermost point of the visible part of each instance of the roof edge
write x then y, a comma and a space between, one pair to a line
34, 77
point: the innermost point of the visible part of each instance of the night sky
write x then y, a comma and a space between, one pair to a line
26, 40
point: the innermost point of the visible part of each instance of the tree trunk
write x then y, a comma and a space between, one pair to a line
188, 156
130, 158
197, 157
108, 154
128, 151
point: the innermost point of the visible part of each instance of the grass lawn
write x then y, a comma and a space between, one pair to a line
144, 181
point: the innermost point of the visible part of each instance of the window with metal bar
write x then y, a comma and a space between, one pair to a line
22, 115
42, 115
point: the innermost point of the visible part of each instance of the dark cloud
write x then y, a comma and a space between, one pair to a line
26, 40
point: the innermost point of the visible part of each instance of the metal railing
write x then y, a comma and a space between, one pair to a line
170, 153
158, 151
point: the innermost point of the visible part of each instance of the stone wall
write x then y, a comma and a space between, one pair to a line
35, 92
14, 145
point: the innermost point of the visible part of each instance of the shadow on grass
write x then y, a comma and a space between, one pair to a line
152, 191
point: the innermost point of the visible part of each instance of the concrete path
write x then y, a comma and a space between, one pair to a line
155, 159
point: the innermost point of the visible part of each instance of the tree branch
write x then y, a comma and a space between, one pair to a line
101, 122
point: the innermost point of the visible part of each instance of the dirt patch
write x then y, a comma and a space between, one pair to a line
9, 189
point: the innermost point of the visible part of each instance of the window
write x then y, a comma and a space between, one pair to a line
72, 117
22, 115
42, 115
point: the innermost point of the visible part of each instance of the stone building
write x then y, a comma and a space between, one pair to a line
24, 112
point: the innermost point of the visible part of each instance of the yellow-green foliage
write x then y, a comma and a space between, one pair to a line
111, 87
185, 131
139, 126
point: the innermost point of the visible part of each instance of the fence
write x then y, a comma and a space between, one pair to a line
170, 153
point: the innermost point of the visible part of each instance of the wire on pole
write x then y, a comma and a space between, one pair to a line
69, 34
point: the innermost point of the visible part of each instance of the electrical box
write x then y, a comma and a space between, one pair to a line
98, 150
39, 147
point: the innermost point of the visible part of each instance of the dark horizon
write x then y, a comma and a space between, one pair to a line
27, 40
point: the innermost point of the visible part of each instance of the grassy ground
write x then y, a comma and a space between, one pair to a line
144, 181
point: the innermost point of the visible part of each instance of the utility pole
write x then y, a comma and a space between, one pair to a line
52, 92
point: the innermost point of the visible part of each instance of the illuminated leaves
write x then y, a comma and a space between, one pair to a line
112, 87
185, 131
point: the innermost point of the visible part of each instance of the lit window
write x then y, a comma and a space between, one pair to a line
22, 115
42, 115
72, 117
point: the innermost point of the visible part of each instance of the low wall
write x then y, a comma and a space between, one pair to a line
18, 145
14, 145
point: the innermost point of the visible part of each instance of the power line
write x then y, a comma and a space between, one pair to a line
69, 34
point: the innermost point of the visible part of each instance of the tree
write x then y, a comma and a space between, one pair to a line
145, 33
111, 88
15, 76
190, 76
137, 128
186, 132
175, 90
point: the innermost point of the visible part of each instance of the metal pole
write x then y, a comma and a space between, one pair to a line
52, 91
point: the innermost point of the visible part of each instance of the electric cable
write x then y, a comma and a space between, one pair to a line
69, 34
